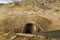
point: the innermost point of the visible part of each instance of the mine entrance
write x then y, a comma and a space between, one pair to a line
28, 28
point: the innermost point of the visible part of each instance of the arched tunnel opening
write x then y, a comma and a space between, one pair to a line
28, 28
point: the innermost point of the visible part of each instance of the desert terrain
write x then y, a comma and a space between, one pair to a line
15, 15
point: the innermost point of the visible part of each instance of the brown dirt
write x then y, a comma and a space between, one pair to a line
14, 14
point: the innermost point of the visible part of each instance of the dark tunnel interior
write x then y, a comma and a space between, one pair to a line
28, 28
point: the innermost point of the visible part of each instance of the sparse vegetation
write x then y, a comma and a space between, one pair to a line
11, 18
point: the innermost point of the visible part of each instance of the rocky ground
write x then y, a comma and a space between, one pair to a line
47, 9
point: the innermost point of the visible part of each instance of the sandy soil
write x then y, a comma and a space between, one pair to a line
47, 10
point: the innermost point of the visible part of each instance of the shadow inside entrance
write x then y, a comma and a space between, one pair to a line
28, 28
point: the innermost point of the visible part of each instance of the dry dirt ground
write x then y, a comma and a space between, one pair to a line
49, 10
